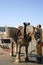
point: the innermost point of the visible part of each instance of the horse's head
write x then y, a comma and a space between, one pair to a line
29, 32
33, 33
37, 35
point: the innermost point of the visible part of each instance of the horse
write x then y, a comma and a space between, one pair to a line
13, 33
24, 39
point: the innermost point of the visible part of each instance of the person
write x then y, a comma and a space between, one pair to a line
39, 48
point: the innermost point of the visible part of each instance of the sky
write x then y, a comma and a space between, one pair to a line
15, 12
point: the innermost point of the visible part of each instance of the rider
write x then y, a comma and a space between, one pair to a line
39, 48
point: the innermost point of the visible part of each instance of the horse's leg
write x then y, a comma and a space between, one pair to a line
26, 58
19, 52
16, 48
12, 48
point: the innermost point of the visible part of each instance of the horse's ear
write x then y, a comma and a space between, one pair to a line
28, 23
25, 23
39, 26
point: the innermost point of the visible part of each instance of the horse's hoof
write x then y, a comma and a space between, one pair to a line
16, 60
26, 59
